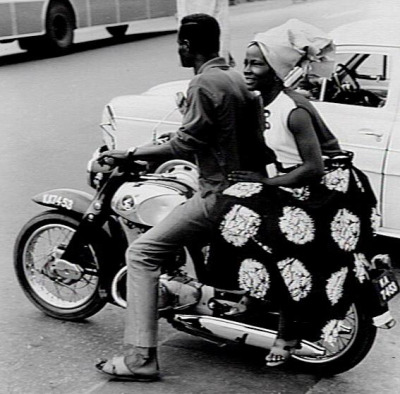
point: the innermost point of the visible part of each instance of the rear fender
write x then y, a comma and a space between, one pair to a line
65, 199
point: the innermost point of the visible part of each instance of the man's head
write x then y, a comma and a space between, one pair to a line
198, 36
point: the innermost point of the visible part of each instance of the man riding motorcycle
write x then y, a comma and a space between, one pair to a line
220, 128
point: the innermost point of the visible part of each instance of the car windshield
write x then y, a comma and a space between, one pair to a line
359, 79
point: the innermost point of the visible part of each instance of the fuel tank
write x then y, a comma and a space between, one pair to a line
148, 202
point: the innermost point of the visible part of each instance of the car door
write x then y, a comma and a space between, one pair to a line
362, 128
391, 172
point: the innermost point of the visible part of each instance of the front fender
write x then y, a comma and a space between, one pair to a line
68, 199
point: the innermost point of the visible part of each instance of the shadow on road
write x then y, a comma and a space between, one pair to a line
79, 47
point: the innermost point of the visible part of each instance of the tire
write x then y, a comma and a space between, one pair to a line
117, 31
49, 292
60, 26
355, 341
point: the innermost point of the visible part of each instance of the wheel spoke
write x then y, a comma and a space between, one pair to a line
57, 291
345, 336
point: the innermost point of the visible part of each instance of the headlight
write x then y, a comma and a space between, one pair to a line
108, 126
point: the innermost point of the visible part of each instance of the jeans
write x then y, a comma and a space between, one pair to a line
189, 224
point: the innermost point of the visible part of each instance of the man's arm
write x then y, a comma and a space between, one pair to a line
147, 153
154, 152
198, 122
193, 135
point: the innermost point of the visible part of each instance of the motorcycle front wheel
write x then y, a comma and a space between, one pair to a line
49, 290
350, 341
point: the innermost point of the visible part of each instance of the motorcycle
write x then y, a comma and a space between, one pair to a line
70, 262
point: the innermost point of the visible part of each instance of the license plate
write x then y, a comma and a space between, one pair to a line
387, 286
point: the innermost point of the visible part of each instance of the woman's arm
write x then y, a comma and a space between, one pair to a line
301, 126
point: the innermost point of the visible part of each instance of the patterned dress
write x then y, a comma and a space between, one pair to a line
307, 248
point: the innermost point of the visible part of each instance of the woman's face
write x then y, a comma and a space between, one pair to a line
257, 72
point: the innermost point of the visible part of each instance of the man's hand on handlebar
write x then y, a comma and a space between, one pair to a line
165, 137
113, 157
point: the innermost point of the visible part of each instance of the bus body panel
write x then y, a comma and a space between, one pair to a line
6, 21
24, 18
103, 12
29, 16
162, 8
81, 9
133, 10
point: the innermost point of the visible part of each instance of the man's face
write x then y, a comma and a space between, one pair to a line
184, 52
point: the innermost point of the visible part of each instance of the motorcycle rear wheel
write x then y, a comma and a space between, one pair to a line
354, 340
35, 245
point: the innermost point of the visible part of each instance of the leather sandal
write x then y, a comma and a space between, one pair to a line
388, 325
117, 369
385, 321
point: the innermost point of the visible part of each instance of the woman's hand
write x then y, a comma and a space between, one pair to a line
246, 176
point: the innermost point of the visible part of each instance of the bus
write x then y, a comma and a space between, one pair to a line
50, 24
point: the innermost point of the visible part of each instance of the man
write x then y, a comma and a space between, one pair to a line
220, 128
219, 9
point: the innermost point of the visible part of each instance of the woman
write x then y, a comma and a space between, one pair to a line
305, 235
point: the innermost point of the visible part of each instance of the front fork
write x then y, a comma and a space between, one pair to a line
93, 219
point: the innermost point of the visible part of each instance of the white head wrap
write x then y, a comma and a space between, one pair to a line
296, 43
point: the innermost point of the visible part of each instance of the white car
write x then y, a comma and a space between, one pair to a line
360, 103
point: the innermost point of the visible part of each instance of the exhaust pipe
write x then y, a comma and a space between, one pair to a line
217, 328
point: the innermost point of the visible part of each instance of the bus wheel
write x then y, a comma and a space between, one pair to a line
60, 26
117, 31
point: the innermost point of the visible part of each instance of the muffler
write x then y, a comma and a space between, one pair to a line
222, 329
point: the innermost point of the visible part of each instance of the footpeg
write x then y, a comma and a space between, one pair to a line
178, 292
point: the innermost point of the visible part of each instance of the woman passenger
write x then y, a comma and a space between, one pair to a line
304, 236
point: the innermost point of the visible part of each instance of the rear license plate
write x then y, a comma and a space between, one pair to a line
387, 286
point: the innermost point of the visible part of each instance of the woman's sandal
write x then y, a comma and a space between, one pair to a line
385, 321
281, 351
388, 325
118, 370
